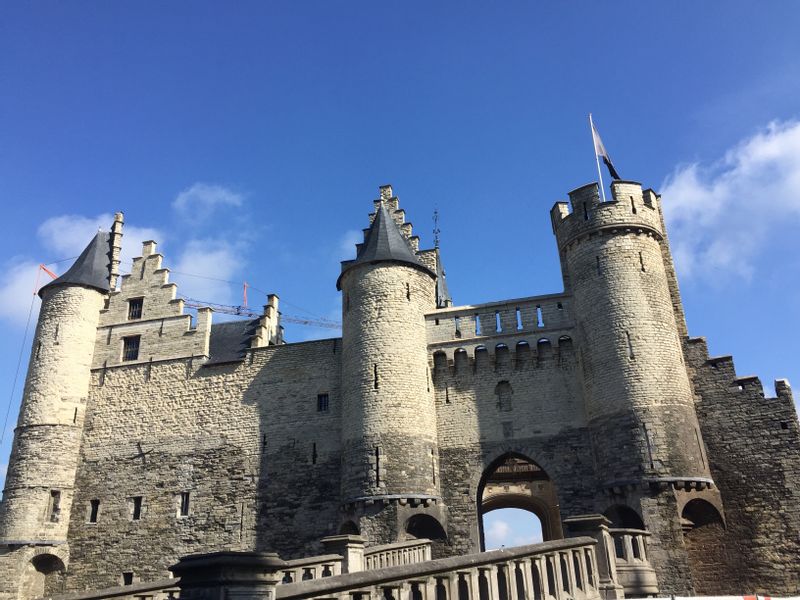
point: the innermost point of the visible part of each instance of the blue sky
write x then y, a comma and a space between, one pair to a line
249, 139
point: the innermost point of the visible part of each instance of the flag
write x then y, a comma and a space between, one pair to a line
600, 152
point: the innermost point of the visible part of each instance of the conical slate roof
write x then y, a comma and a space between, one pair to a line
92, 268
384, 243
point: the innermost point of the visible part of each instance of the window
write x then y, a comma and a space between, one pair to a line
135, 507
127, 578
135, 308
94, 509
55, 505
130, 347
323, 402
183, 507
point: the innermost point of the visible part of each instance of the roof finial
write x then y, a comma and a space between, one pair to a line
436, 230
386, 192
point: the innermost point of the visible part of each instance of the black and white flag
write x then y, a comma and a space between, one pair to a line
601, 152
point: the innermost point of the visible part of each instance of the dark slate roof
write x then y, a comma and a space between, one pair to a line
229, 341
93, 267
384, 243
443, 298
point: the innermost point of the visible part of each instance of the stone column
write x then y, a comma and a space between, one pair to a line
596, 526
349, 547
229, 575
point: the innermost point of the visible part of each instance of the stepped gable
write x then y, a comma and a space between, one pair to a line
229, 341
92, 267
384, 243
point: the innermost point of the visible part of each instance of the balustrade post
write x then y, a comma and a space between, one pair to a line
596, 526
230, 575
527, 576
350, 548
494, 584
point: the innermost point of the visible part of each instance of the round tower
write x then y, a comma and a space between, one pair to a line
639, 400
389, 436
41, 473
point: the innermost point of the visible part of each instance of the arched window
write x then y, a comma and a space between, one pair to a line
623, 517
425, 527
349, 528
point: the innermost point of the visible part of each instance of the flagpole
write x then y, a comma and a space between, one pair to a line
597, 159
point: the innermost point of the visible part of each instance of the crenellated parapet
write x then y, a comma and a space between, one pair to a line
630, 210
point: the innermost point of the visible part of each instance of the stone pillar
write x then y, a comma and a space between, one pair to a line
229, 575
350, 548
596, 526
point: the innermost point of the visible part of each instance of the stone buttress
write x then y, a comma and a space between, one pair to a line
389, 437
39, 487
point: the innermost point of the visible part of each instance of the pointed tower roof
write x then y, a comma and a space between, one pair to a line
384, 243
92, 269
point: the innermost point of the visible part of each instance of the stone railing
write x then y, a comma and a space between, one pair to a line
161, 589
397, 554
313, 567
634, 571
559, 570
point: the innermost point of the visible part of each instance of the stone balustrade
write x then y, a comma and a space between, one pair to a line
558, 570
634, 571
312, 567
394, 555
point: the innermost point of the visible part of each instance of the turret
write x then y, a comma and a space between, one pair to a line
389, 434
639, 400
41, 472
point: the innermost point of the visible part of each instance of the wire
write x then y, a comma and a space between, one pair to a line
19, 364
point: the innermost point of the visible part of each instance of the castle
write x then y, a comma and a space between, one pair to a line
146, 435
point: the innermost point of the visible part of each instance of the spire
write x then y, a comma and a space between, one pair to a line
384, 243
93, 267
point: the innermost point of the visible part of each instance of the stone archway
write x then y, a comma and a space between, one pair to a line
704, 537
44, 576
516, 481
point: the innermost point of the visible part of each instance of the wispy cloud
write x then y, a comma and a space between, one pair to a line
497, 534
347, 244
204, 269
199, 201
67, 235
720, 215
17, 291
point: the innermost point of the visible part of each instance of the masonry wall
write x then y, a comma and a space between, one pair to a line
245, 439
754, 451
542, 419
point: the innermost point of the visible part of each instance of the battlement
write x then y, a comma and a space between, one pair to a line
507, 319
629, 209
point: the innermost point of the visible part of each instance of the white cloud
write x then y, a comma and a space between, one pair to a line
347, 243
204, 268
498, 534
198, 202
3, 471
67, 235
720, 215
17, 292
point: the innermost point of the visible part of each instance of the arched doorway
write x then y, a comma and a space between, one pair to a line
703, 535
424, 526
44, 576
516, 481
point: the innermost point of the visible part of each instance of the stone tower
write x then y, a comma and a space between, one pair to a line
39, 486
639, 400
389, 437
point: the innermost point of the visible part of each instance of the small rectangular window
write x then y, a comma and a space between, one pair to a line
323, 402
135, 505
135, 308
127, 578
94, 509
183, 508
55, 505
130, 347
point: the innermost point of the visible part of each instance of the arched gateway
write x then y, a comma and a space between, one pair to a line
516, 481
